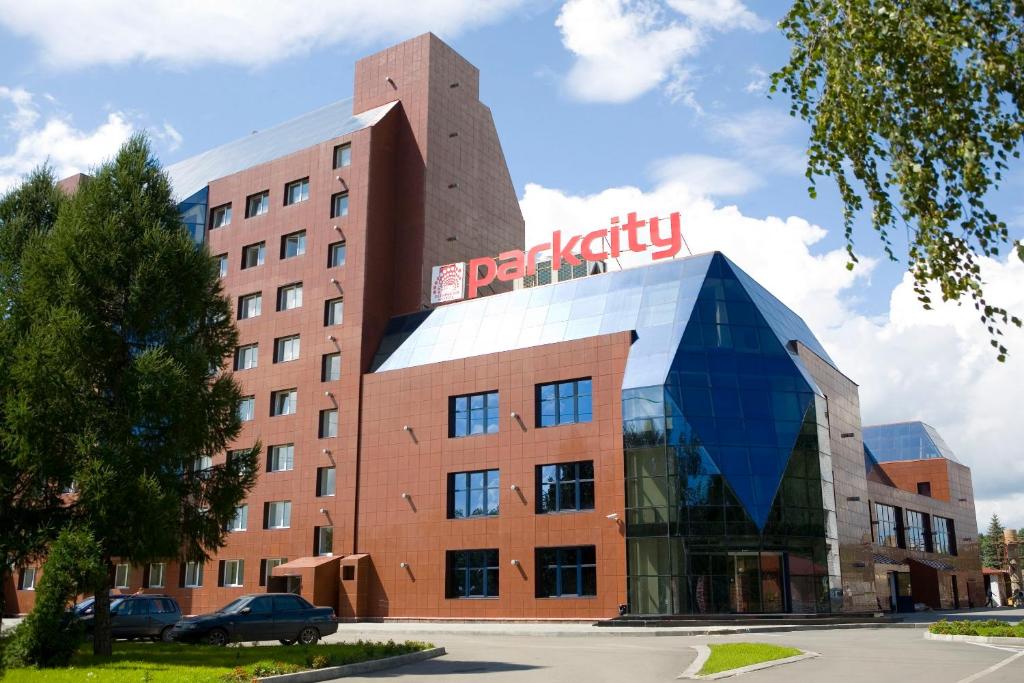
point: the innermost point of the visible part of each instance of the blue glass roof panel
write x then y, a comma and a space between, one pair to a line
906, 441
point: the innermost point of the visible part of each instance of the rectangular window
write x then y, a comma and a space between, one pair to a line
330, 367
885, 525
257, 204
253, 255
328, 423
566, 486
156, 574
240, 522
560, 403
235, 455
913, 530
281, 458
943, 536
286, 349
324, 481
234, 573
289, 296
267, 568
121, 576
247, 357
924, 488
335, 254
471, 573
222, 265
339, 205
566, 572
473, 494
202, 463
193, 575
27, 580
296, 192
293, 245
323, 540
250, 305
343, 155
284, 402
220, 216
473, 414
334, 311
278, 514
247, 408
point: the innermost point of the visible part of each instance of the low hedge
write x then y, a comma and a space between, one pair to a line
990, 628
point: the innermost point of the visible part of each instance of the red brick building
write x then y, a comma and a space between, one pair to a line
671, 439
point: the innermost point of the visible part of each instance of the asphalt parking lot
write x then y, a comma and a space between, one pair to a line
889, 654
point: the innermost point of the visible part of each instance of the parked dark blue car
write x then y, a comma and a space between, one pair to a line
285, 617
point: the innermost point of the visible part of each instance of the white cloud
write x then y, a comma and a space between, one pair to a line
54, 139
245, 32
625, 48
759, 137
759, 81
706, 175
935, 366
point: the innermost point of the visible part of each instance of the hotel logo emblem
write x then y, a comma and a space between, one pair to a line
448, 283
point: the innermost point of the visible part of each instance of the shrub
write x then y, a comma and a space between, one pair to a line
48, 636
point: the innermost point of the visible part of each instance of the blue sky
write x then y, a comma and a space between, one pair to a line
601, 105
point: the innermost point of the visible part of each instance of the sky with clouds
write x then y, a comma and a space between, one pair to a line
603, 106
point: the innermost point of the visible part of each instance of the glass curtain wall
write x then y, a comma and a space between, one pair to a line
728, 483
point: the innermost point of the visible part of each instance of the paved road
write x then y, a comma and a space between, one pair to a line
860, 656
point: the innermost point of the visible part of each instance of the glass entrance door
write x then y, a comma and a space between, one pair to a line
758, 583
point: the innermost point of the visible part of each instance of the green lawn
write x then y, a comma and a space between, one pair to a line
735, 655
157, 662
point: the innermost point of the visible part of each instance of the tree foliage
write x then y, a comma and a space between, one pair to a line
48, 637
915, 107
31, 506
993, 545
117, 372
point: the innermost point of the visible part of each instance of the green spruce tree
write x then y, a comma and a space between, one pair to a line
119, 373
993, 547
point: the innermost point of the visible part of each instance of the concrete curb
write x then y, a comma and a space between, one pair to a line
332, 672
984, 640
703, 652
598, 632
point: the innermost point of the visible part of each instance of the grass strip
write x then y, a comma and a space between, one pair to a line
180, 663
726, 656
990, 628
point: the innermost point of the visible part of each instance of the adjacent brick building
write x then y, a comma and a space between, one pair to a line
667, 439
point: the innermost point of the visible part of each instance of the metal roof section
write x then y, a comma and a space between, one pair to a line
332, 121
654, 301
906, 441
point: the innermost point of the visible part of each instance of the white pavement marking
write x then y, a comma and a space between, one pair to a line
703, 652
994, 667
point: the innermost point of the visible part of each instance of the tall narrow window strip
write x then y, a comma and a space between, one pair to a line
222, 265
560, 403
121, 576
334, 311
330, 370
473, 414
473, 494
324, 541
325, 481
914, 530
328, 423
885, 525
27, 582
194, 575
156, 574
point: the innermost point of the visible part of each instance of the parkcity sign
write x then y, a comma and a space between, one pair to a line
450, 282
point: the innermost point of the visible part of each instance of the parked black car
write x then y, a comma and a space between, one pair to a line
263, 616
137, 616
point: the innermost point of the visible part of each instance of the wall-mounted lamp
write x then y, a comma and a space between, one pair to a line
332, 338
390, 81
614, 516
515, 563
328, 394
514, 415
323, 511
405, 496
404, 565
406, 428
514, 487
326, 451
334, 280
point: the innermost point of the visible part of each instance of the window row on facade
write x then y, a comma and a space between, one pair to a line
563, 572
295, 192
293, 245
289, 297
556, 403
561, 487
898, 527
